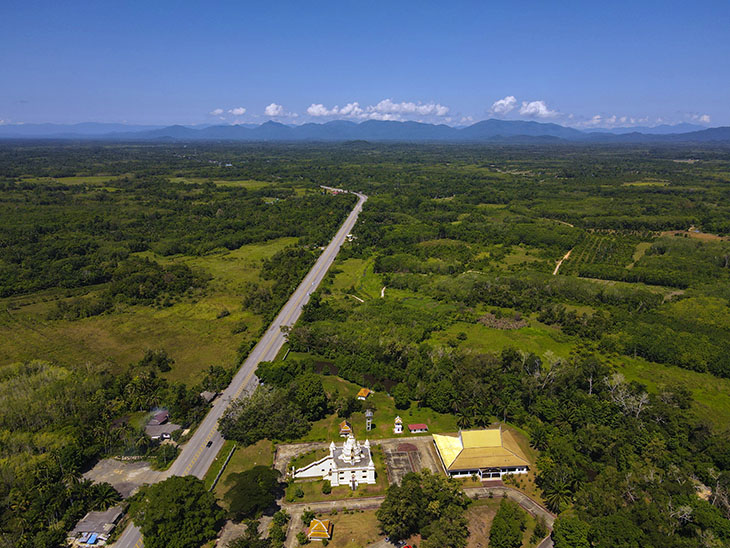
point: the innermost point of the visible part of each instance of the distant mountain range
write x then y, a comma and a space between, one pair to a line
487, 131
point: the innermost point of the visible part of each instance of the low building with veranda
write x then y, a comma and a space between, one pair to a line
488, 453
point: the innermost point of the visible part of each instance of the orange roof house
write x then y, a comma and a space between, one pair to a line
345, 428
320, 529
364, 393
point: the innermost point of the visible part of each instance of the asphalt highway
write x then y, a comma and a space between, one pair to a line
196, 457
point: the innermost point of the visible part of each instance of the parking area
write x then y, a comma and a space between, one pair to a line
125, 476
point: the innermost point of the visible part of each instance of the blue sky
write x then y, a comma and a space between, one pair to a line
581, 63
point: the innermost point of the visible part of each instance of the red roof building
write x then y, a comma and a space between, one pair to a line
417, 428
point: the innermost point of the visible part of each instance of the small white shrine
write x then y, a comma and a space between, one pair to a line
349, 464
398, 426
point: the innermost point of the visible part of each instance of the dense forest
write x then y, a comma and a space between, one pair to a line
459, 307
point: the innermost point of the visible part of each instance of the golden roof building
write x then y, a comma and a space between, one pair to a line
320, 529
488, 453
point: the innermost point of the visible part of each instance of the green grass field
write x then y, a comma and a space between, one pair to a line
246, 183
352, 529
328, 429
82, 180
189, 330
537, 338
711, 394
357, 274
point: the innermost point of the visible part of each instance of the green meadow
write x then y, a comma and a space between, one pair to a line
190, 330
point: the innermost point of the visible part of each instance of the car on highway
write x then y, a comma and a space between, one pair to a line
209, 443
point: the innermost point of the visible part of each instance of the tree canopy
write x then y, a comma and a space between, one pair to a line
176, 513
252, 491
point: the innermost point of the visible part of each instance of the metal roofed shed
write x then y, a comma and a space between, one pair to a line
94, 528
208, 396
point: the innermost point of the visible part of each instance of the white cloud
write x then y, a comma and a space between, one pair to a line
609, 121
538, 109
351, 109
238, 111
504, 106
274, 110
386, 109
318, 109
387, 106
701, 118
216, 112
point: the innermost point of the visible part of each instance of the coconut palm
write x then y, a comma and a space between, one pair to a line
557, 494
105, 496
464, 420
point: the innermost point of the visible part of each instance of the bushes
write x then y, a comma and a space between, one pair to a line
141, 281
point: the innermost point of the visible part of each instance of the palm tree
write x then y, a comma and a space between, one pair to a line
539, 437
463, 421
482, 417
105, 497
557, 494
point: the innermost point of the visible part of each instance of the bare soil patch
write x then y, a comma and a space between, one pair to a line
125, 476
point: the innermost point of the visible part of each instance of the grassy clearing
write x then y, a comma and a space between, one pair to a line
87, 180
353, 528
711, 394
648, 182
537, 338
639, 251
312, 490
308, 458
246, 183
328, 429
519, 255
244, 458
189, 330
356, 277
